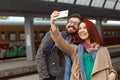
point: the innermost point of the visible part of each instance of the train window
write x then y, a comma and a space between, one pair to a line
22, 36
35, 35
42, 34
104, 32
116, 32
3, 36
109, 32
119, 32
12, 36
113, 32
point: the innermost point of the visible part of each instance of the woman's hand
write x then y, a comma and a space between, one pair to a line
112, 76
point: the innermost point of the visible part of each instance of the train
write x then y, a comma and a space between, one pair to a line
12, 41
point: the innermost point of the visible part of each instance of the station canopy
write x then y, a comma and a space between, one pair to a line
100, 9
108, 4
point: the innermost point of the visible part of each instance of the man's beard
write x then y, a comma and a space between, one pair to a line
72, 33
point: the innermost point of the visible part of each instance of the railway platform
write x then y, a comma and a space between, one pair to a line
26, 70
18, 67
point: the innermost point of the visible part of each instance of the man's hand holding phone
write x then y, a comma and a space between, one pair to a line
56, 15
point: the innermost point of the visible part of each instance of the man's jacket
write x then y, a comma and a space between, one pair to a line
50, 64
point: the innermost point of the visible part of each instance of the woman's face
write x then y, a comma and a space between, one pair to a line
83, 33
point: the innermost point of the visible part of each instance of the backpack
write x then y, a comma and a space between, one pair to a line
56, 62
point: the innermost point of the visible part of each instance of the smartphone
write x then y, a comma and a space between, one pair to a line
63, 14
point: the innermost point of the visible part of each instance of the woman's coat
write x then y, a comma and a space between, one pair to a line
102, 64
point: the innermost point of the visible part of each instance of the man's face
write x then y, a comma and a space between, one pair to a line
72, 25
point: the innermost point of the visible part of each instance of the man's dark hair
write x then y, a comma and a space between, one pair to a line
75, 15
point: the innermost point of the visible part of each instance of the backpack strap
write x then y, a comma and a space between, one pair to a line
53, 46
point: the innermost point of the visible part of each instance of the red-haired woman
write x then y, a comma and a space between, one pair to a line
91, 59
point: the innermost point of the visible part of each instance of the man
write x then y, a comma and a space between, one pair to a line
47, 63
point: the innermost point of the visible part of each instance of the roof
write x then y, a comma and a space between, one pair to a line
101, 9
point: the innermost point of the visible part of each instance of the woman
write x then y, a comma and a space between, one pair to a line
91, 60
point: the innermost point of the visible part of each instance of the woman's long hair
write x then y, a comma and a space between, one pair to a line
93, 34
